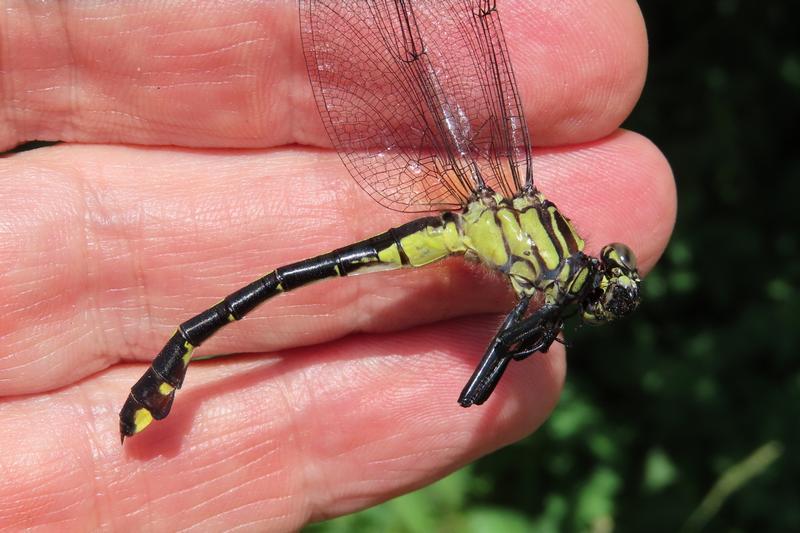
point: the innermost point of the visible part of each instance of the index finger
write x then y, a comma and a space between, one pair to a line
104, 250
200, 75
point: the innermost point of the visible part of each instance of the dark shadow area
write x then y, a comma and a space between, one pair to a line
30, 145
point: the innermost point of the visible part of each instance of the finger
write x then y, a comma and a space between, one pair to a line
107, 249
233, 75
268, 442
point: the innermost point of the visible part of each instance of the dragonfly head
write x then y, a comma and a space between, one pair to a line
616, 290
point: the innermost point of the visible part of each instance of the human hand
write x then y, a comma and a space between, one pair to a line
111, 240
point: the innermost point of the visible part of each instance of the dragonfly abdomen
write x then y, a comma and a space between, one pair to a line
416, 243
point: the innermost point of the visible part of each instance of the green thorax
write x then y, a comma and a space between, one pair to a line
527, 239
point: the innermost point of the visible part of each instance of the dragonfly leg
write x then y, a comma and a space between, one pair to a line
542, 338
487, 386
516, 339
542, 343
494, 360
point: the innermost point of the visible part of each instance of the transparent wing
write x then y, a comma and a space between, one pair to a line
418, 98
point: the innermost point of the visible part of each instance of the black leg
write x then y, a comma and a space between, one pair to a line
532, 330
487, 387
533, 334
493, 362
548, 334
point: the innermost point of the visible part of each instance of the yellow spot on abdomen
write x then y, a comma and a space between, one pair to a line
425, 246
188, 355
141, 419
390, 255
165, 388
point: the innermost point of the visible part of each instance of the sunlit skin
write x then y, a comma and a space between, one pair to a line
347, 394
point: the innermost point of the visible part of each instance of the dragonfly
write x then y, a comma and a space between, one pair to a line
420, 101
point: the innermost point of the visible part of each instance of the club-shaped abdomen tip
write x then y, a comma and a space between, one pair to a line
150, 399
133, 418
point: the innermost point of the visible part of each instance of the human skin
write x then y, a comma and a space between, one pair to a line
194, 162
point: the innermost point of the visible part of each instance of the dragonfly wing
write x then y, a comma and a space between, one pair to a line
419, 99
501, 144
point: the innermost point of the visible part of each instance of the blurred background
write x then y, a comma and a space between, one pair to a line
686, 417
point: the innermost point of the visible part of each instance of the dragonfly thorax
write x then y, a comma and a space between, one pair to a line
530, 241
527, 239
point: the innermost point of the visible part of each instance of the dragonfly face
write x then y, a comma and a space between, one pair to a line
616, 293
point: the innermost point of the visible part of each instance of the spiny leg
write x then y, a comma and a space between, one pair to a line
530, 336
540, 341
539, 336
543, 336
534, 334
152, 396
486, 388
527, 336
492, 364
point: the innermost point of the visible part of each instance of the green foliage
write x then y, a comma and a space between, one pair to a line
439, 507
677, 417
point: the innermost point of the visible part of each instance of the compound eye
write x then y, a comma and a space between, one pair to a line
618, 254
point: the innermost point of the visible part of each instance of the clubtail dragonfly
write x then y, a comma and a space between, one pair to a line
420, 101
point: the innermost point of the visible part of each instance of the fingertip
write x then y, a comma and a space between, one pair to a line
617, 189
581, 65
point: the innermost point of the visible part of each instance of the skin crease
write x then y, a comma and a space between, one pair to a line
106, 245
